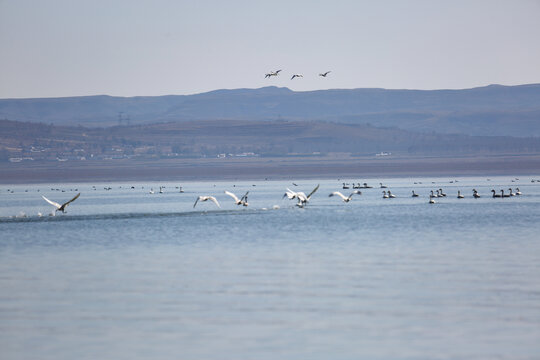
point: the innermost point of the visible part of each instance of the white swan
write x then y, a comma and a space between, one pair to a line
495, 195
237, 201
62, 207
206, 198
289, 194
385, 196
459, 196
414, 194
303, 199
345, 199
441, 193
390, 195
518, 192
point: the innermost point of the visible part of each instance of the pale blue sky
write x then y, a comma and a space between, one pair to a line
127, 48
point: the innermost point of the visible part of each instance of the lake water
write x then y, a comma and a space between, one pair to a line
126, 274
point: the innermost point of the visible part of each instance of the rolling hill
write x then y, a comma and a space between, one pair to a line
493, 110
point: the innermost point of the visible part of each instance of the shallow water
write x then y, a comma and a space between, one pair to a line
125, 274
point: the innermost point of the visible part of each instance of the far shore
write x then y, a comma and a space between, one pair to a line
280, 168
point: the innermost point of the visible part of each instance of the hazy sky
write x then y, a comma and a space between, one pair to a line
128, 48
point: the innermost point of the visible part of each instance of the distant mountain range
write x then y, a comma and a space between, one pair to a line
493, 110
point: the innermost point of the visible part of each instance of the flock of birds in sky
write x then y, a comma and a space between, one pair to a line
301, 198
276, 73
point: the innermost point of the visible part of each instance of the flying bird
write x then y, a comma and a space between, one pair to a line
206, 198
303, 199
62, 207
345, 199
324, 74
272, 73
296, 75
237, 201
290, 194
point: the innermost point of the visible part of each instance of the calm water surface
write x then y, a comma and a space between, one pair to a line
126, 274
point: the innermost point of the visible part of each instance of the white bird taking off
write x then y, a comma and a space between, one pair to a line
237, 201
345, 199
290, 194
206, 198
324, 74
302, 197
62, 207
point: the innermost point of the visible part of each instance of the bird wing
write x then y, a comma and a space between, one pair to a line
245, 196
355, 192
235, 198
55, 204
313, 192
326, 73
277, 72
293, 77
196, 201
290, 194
72, 200
214, 200
338, 194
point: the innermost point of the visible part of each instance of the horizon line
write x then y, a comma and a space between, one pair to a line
268, 87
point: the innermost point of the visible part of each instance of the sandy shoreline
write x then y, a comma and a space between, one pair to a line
266, 168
